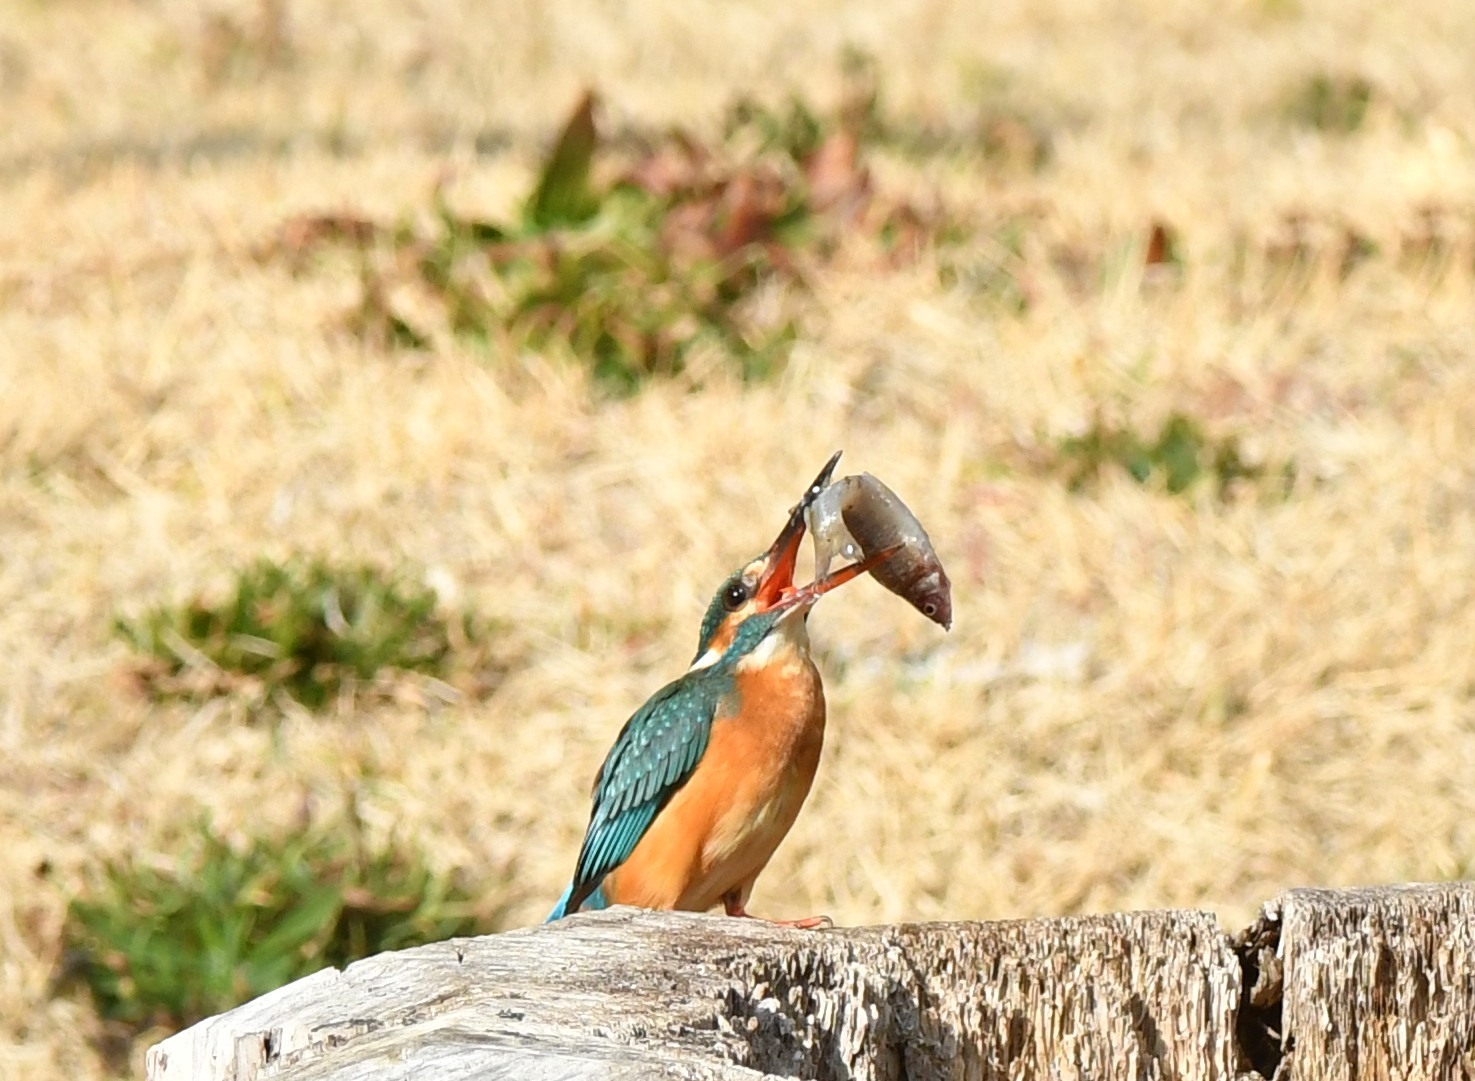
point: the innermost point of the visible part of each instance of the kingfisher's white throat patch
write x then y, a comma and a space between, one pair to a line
706, 660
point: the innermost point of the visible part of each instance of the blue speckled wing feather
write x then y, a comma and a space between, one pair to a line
654, 755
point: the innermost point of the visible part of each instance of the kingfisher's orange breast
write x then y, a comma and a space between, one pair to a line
722, 827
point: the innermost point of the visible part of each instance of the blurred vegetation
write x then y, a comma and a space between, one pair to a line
1335, 104
994, 270
636, 258
237, 47
1013, 261
1011, 124
1180, 457
1011, 258
170, 945
303, 628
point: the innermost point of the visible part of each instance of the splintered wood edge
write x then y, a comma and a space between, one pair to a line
1380, 982
626, 993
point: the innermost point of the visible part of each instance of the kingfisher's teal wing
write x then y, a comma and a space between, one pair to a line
596, 901
654, 755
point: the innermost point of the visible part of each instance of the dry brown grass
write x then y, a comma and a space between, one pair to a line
1145, 701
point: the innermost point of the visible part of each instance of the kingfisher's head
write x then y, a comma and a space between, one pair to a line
758, 585
759, 638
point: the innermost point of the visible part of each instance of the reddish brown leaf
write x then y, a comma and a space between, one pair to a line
1162, 245
307, 232
746, 210
687, 232
837, 180
680, 166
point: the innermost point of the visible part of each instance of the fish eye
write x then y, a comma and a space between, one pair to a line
735, 595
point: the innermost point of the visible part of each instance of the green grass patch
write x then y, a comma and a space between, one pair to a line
1180, 457
1335, 104
306, 629
168, 945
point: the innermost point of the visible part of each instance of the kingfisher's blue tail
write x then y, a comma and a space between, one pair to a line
592, 903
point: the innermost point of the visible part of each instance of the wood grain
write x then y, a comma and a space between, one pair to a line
1379, 983
1327, 985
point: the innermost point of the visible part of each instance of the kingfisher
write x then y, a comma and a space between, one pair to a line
706, 778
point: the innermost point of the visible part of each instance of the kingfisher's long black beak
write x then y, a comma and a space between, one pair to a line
783, 555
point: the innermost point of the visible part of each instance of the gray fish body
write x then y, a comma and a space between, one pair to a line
858, 515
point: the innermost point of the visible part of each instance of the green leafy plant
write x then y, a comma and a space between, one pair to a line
1179, 457
167, 945
635, 261
304, 628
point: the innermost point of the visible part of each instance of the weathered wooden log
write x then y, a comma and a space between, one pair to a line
1361, 983
1377, 983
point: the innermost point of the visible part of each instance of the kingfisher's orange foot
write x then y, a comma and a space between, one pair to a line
734, 907
808, 923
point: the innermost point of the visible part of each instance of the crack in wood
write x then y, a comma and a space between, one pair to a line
1325, 986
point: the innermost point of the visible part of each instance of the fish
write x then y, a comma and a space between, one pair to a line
858, 516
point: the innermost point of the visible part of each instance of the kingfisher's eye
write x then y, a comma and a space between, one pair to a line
735, 595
